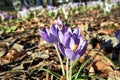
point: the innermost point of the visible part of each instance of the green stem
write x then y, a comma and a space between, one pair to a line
67, 74
70, 71
63, 71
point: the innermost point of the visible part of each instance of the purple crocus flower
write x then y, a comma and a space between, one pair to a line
72, 44
117, 34
50, 35
61, 27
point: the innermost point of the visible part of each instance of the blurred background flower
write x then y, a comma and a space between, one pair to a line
117, 34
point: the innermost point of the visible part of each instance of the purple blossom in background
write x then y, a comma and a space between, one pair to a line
51, 8
7, 16
73, 5
117, 34
72, 44
115, 1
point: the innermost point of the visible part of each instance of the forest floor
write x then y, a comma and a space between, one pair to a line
23, 53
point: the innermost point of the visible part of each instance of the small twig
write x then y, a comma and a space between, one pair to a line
14, 62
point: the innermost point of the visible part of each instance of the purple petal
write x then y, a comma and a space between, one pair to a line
77, 41
47, 36
77, 31
67, 39
67, 43
81, 52
77, 55
84, 44
74, 36
44, 35
70, 54
66, 29
54, 29
81, 39
60, 36
59, 22
53, 39
69, 29
61, 49
72, 43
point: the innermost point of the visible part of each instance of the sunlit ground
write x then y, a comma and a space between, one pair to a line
25, 55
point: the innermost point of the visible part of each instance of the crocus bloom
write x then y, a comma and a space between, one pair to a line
72, 44
50, 35
117, 34
61, 25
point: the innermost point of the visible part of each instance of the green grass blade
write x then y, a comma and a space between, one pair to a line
95, 77
75, 63
51, 72
81, 79
81, 67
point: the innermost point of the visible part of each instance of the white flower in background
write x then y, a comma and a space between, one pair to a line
51, 8
94, 3
115, 2
108, 7
36, 10
56, 12
59, 1
66, 9
24, 14
33, 10
100, 3
41, 12
65, 12
1, 17
52, 11
39, 7
73, 5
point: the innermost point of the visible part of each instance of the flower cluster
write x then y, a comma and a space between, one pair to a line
5, 16
70, 44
